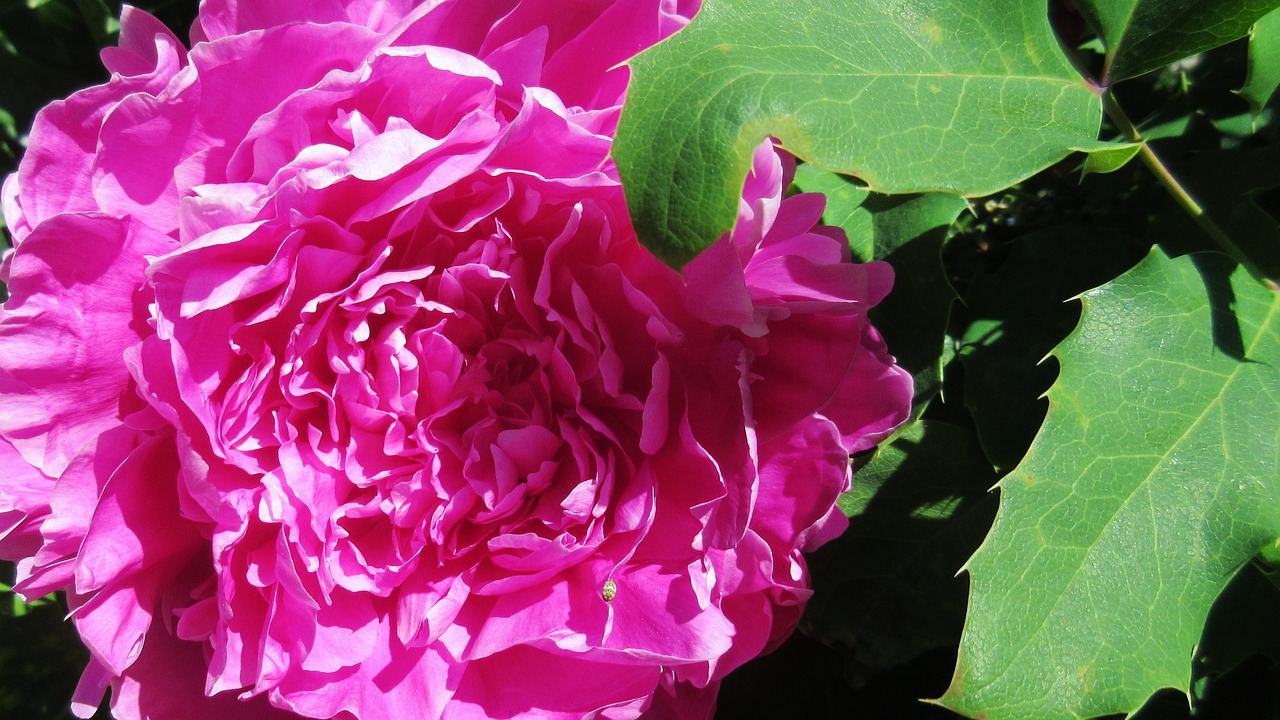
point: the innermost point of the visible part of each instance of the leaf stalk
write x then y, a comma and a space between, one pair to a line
1179, 193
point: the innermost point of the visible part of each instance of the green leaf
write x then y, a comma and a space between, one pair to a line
1145, 35
908, 96
888, 587
1110, 159
1264, 62
1152, 482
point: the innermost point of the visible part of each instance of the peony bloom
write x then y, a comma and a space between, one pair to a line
336, 384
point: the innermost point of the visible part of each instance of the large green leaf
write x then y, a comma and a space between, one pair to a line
1144, 35
908, 96
1152, 482
1264, 62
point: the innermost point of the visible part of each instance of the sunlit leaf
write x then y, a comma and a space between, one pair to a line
1110, 159
908, 96
1151, 483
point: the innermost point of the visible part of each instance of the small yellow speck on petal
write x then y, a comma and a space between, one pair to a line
610, 590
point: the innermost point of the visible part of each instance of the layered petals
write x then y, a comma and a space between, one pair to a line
336, 383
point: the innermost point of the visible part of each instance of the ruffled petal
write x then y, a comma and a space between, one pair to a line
75, 297
338, 384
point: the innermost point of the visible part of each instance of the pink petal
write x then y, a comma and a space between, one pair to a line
221, 18
524, 682
73, 310
874, 399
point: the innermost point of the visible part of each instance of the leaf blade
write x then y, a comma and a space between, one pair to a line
1145, 35
1264, 62
1127, 519
989, 96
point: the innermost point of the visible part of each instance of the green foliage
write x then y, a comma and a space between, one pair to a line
887, 587
1144, 35
1110, 159
908, 96
1264, 62
1151, 483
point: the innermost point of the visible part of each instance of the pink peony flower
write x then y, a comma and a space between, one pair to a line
336, 384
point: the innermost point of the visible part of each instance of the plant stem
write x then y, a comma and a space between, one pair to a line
1178, 192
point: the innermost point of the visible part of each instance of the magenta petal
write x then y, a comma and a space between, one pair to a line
74, 285
24, 504
717, 288
72, 503
678, 700
168, 681
874, 399
146, 45
337, 384
788, 464
133, 530
114, 623
657, 614
90, 689
568, 613
524, 682
54, 176
135, 543
222, 18
810, 356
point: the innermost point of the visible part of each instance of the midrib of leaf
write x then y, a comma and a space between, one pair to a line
743, 72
